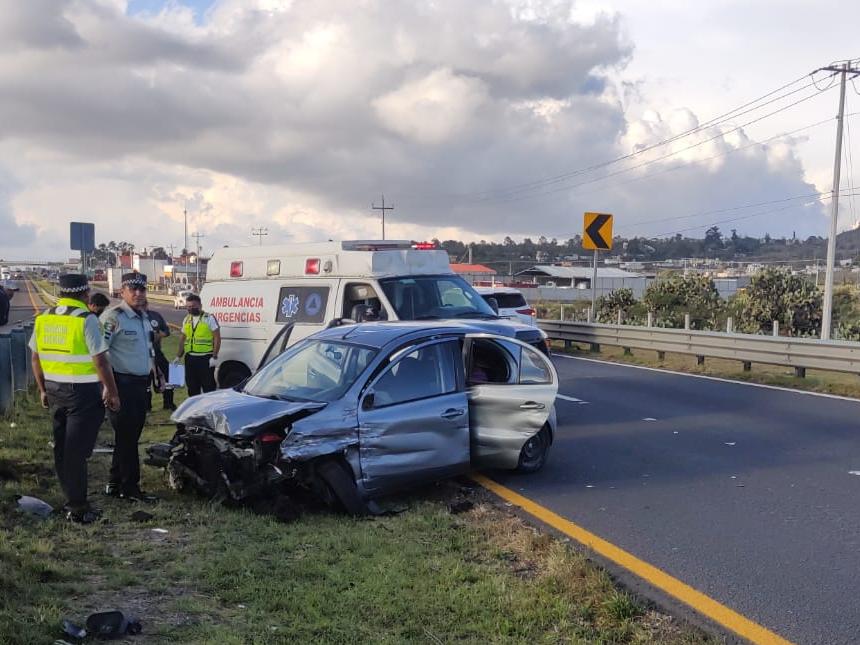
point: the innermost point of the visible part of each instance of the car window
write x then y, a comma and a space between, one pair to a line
509, 300
313, 370
533, 368
427, 297
423, 373
489, 362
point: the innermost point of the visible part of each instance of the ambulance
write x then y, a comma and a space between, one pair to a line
277, 295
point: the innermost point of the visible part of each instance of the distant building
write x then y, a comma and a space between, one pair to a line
473, 272
553, 282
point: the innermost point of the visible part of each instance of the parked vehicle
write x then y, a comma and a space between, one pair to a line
114, 280
510, 303
254, 291
359, 411
181, 299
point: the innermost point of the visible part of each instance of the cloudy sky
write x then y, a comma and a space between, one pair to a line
477, 119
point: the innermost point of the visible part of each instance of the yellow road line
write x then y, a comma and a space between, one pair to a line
717, 612
36, 309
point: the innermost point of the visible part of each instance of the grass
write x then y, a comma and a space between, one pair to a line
226, 576
815, 381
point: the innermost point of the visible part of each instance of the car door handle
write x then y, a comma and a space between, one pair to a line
532, 405
452, 413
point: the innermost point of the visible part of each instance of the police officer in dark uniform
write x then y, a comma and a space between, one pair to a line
75, 380
160, 330
127, 333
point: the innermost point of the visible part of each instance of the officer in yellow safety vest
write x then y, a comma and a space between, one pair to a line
199, 341
75, 380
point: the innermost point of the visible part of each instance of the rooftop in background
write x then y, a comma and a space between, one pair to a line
471, 268
553, 271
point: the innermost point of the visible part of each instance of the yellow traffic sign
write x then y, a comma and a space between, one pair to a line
597, 232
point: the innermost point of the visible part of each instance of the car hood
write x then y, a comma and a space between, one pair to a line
237, 414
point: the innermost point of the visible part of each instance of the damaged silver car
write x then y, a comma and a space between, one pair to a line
356, 412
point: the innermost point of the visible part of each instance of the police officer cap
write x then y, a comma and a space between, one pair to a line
73, 283
133, 279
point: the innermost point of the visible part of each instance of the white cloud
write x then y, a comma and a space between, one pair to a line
296, 115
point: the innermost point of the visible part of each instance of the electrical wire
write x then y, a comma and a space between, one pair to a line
716, 121
745, 217
652, 161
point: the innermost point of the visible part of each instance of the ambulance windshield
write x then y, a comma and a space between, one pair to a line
432, 296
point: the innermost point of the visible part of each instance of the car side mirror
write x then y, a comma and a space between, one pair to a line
367, 401
494, 305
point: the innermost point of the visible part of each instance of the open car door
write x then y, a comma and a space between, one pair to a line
512, 389
277, 346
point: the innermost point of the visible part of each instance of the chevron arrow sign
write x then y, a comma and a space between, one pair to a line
597, 232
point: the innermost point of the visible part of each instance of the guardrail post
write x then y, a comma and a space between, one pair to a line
7, 392
595, 348
747, 366
650, 322
730, 323
620, 317
687, 321
628, 351
700, 360
800, 372
776, 328
661, 356
18, 353
561, 314
590, 318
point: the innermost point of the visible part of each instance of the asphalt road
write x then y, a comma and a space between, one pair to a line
745, 493
25, 304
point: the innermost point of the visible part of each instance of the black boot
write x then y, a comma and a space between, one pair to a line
168, 399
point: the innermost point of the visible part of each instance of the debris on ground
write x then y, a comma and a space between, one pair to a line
9, 471
141, 516
112, 624
34, 506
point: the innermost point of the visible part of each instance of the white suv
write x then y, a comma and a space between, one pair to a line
512, 303
179, 300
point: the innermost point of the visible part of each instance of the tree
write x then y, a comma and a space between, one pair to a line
777, 295
670, 298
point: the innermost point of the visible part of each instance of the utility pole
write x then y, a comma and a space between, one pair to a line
827, 317
260, 233
470, 253
197, 236
382, 208
185, 247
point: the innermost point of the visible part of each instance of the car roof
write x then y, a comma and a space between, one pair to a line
487, 290
379, 334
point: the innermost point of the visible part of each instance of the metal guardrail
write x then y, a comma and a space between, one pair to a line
16, 371
799, 353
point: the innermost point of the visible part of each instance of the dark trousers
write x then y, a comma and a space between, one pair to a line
77, 412
127, 425
198, 375
163, 366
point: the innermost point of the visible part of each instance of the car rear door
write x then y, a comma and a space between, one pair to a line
512, 389
413, 419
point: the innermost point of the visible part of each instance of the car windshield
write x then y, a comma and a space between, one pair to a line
311, 371
433, 296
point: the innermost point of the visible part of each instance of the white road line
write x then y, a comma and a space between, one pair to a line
712, 378
564, 397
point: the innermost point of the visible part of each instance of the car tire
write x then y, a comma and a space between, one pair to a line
342, 486
232, 376
534, 453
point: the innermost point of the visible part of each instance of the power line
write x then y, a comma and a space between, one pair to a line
718, 120
260, 233
655, 160
382, 208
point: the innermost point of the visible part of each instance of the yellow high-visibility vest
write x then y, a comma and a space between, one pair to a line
62, 344
199, 338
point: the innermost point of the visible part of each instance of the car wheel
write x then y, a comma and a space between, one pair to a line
534, 452
342, 486
232, 376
